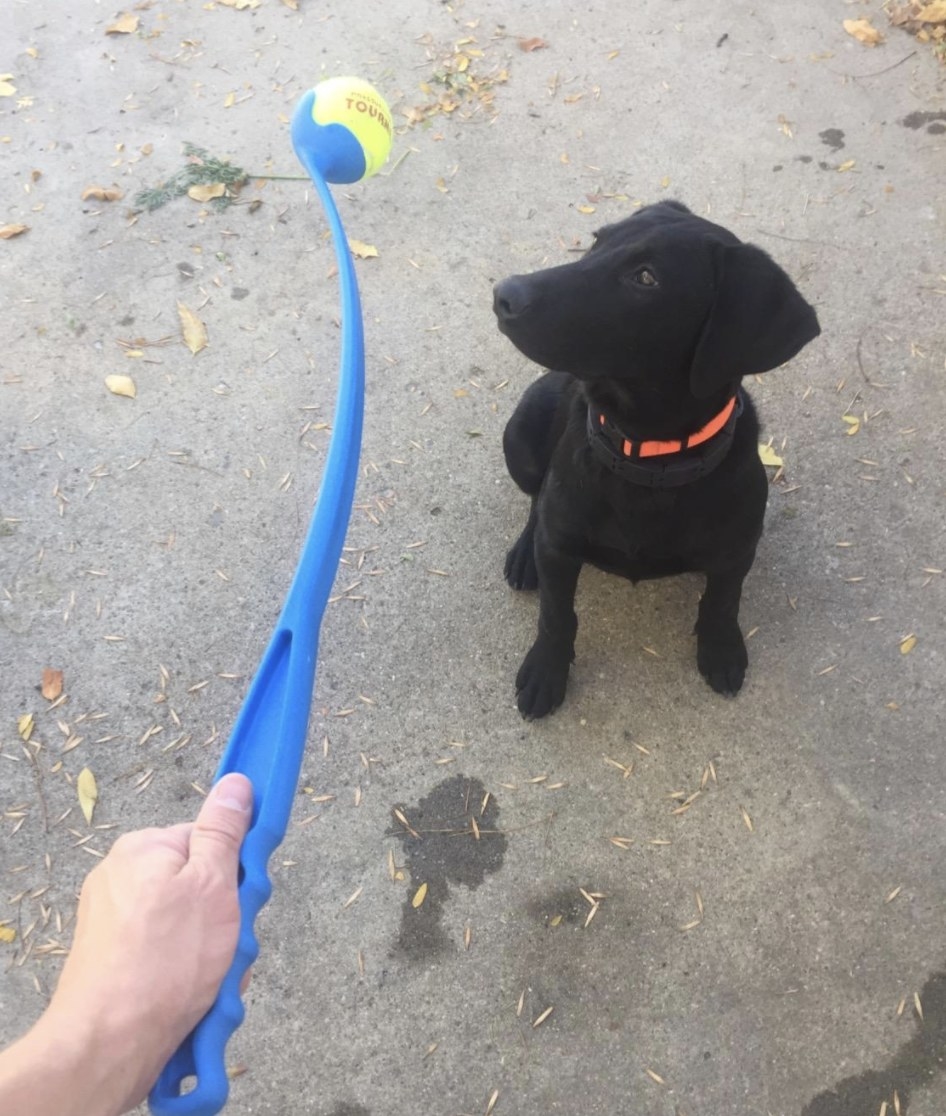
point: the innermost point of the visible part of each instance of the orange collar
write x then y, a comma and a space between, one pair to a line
635, 460
635, 450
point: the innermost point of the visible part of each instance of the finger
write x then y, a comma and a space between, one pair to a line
245, 981
222, 823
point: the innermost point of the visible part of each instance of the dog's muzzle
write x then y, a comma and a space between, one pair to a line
511, 299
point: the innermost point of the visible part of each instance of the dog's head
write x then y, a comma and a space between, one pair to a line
662, 297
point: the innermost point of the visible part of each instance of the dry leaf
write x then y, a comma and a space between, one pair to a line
25, 725
240, 5
7, 934
361, 250
102, 193
864, 31
907, 644
52, 684
768, 456
126, 24
88, 793
121, 385
7, 88
294, 4
206, 192
193, 330
585, 208
529, 45
419, 896
7, 232
932, 13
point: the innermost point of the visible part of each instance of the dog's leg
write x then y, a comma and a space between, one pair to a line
720, 649
528, 444
520, 571
540, 683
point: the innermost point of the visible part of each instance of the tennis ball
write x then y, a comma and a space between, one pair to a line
344, 127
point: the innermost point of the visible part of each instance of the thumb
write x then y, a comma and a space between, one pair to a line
222, 822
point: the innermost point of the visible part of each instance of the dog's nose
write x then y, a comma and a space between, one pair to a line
510, 298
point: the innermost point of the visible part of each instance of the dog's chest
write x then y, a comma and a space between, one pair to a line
645, 533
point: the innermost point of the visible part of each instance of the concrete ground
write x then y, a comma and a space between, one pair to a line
774, 945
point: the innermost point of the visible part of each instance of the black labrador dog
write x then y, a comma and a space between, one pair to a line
640, 451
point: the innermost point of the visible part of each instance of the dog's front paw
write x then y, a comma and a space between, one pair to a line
520, 568
723, 662
540, 683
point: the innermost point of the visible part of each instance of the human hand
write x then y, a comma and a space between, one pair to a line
156, 931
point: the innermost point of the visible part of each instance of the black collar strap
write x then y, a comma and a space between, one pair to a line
664, 464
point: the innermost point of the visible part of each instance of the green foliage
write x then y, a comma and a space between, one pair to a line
202, 169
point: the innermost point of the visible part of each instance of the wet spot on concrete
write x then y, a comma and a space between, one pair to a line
934, 122
239, 293
345, 1109
441, 849
564, 905
833, 137
803, 158
912, 1068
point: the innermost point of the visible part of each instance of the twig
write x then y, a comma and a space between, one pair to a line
873, 73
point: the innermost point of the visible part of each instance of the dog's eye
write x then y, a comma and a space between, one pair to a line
644, 277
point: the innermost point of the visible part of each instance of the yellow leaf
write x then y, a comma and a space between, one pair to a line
101, 193
665, 182
7, 934
7, 88
240, 5
586, 208
853, 424
193, 329
206, 192
768, 455
864, 31
7, 232
361, 250
121, 385
228, 102
932, 13
88, 793
294, 4
25, 725
126, 24
846, 166
907, 644
52, 684
419, 896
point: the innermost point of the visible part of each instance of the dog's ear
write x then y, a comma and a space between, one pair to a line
757, 322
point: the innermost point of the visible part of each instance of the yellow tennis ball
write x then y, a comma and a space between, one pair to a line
345, 126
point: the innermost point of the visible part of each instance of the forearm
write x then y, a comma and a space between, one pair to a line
57, 1070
